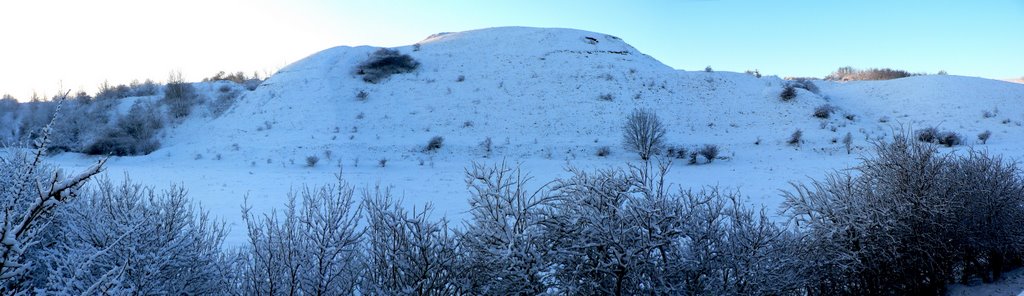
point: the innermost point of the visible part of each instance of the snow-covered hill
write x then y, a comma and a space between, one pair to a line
547, 98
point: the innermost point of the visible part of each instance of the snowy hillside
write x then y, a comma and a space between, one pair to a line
548, 98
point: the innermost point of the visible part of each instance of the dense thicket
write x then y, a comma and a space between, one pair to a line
907, 220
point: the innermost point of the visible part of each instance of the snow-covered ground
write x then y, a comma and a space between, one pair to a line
537, 94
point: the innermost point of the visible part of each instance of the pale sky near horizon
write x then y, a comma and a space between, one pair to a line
48, 44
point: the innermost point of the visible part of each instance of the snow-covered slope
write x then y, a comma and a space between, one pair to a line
541, 96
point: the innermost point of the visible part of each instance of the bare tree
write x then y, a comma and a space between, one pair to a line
506, 253
643, 133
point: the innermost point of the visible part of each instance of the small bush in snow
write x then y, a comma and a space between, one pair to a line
983, 136
133, 134
643, 133
848, 142
603, 151
179, 96
434, 144
486, 145
708, 69
806, 84
948, 139
384, 63
677, 152
824, 111
383, 162
709, 151
795, 138
461, 78
788, 93
312, 160
929, 135
606, 97
362, 95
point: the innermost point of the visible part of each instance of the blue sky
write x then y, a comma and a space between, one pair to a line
77, 44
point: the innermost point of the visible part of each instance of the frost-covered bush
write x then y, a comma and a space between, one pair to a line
434, 144
796, 138
933, 135
908, 221
983, 136
406, 252
948, 139
133, 134
677, 152
824, 111
179, 97
31, 194
503, 242
709, 151
788, 93
384, 63
125, 238
617, 232
311, 249
927, 134
806, 84
643, 133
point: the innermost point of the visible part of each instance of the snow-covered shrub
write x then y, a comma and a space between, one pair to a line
848, 142
643, 133
362, 95
82, 121
128, 239
406, 252
434, 144
929, 134
487, 146
606, 97
908, 221
31, 193
948, 139
384, 63
179, 97
503, 242
796, 138
983, 136
806, 84
709, 151
788, 93
617, 232
133, 134
311, 249
933, 135
824, 111
603, 151
312, 160
677, 152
